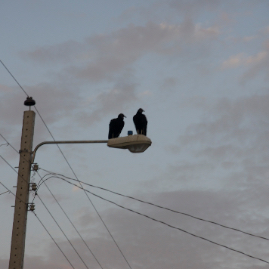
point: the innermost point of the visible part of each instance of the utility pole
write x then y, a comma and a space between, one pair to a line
22, 193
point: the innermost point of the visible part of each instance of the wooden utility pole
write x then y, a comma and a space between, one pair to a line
22, 193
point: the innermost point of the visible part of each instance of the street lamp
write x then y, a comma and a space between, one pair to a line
134, 143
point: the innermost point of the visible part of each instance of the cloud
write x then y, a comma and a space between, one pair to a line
255, 65
219, 150
104, 55
110, 102
194, 7
230, 119
259, 65
65, 52
234, 61
242, 60
5, 88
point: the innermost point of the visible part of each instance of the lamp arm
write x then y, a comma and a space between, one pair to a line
65, 142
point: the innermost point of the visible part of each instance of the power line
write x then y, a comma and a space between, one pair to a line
4, 192
171, 226
36, 215
53, 240
71, 170
96, 211
149, 216
72, 223
63, 232
14, 78
8, 190
60, 206
158, 206
9, 143
5, 186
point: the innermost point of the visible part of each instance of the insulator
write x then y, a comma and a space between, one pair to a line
32, 207
35, 167
34, 187
29, 101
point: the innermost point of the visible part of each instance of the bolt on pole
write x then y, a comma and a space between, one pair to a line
22, 193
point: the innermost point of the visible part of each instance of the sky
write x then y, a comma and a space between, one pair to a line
200, 70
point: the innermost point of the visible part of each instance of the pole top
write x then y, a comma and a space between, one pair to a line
29, 101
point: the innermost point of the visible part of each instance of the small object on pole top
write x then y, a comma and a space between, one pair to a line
29, 101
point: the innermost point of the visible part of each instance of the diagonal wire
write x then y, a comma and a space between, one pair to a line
9, 143
4, 192
62, 232
53, 240
71, 223
86, 194
14, 78
171, 226
82, 188
158, 206
32, 211
76, 178
8, 190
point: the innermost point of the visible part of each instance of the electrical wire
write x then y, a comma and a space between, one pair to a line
53, 239
18, 175
8, 190
103, 224
4, 145
62, 209
158, 206
129, 197
62, 231
4, 192
166, 224
14, 78
9, 143
133, 211
72, 223
112, 237
13, 194
71, 169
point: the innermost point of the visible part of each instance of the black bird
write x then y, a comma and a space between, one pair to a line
116, 126
140, 122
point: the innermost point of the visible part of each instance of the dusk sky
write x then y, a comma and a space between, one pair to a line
200, 70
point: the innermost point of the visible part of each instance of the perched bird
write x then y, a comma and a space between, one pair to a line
115, 126
140, 122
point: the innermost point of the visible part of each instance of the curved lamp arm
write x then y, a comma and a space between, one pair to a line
65, 142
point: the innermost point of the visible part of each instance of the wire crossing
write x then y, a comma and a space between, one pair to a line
72, 223
63, 232
70, 168
155, 205
53, 240
171, 226
84, 192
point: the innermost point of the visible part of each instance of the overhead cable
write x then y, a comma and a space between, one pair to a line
171, 226
53, 240
72, 171
14, 78
72, 223
162, 207
62, 232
